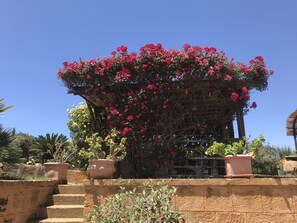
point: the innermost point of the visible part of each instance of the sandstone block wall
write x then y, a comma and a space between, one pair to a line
21, 201
76, 176
217, 200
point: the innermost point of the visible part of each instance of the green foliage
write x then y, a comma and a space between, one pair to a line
237, 147
11, 155
79, 124
256, 145
61, 152
111, 147
80, 128
6, 136
2, 106
268, 160
52, 146
116, 145
6, 153
285, 151
25, 143
152, 205
94, 149
222, 149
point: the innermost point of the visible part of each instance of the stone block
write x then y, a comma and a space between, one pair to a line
218, 199
277, 200
286, 218
265, 181
197, 217
294, 198
247, 199
229, 217
260, 218
76, 176
189, 199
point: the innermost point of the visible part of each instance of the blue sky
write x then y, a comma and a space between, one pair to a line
37, 36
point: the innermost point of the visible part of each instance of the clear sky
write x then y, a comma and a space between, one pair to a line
37, 36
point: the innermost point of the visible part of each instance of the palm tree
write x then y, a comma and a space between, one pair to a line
50, 142
2, 106
6, 137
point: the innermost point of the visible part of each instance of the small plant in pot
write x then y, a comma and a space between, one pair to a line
103, 153
238, 155
56, 168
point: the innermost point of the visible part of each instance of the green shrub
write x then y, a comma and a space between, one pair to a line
152, 205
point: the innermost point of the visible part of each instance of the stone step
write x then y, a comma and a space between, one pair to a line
71, 189
62, 220
65, 211
69, 199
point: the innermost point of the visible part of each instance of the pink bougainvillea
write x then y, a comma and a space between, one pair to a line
152, 87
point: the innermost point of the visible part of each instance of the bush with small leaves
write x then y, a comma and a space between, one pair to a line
152, 205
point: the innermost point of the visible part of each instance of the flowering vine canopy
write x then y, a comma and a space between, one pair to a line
158, 96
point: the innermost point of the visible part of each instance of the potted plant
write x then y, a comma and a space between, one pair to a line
103, 153
238, 155
56, 168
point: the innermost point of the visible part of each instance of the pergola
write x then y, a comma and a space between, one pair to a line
167, 103
206, 97
291, 127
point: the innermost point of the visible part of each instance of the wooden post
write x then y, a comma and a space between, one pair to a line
295, 133
240, 124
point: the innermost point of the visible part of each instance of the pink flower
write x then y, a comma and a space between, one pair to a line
168, 60
108, 117
228, 77
156, 164
158, 141
114, 111
259, 58
203, 62
218, 66
234, 96
210, 71
126, 130
151, 87
172, 152
122, 48
143, 129
130, 118
254, 105
186, 47
244, 90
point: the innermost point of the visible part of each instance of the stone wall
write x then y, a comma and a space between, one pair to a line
21, 201
217, 200
76, 176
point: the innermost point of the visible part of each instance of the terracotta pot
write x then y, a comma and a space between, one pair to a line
238, 166
56, 171
290, 165
101, 169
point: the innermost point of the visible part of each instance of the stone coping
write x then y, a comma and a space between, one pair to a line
194, 182
27, 183
173, 182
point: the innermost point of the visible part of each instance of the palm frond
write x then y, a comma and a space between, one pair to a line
2, 106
